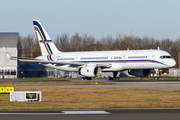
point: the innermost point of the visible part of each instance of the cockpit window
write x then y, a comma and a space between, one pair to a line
163, 57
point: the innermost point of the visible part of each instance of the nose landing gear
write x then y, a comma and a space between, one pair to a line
156, 76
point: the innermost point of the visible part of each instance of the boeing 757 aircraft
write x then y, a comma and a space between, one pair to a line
90, 64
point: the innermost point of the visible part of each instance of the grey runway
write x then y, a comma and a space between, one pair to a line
145, 84
113, 114
53, 112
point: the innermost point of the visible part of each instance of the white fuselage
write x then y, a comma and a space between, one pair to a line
118, 60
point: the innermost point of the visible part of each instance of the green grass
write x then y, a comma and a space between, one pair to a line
41, 83
45, 78
91, 98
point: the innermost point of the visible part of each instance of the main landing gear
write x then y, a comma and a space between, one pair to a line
115, 77
86, 78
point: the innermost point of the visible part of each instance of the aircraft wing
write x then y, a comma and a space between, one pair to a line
53, 62
58, 63
75, 64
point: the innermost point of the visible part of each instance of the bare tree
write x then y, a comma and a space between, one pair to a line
62, 42
75, 42
88, 43
27, 45
107, 43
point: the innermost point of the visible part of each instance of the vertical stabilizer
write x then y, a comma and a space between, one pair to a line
46, 45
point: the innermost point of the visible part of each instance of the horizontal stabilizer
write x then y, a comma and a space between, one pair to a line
16, 58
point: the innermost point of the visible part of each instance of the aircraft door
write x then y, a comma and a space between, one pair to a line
124, 58
153, 57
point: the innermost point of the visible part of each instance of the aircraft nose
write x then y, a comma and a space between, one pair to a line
172, 63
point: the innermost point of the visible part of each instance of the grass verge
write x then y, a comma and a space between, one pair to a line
90, 98
41, 83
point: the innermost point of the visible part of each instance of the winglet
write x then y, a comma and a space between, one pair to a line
7, 53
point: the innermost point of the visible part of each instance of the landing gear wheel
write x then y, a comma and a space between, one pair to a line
115, 77
156, 78
86, 78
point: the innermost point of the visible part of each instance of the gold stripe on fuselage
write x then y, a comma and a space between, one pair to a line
129, 62
48, 57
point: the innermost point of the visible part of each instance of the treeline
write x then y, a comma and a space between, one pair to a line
86, 42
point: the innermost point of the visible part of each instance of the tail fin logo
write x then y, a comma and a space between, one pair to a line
42, 37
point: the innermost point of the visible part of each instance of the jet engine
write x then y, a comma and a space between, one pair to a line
139, 72
90, 71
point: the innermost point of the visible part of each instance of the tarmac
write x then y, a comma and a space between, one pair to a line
122, 84
104, 114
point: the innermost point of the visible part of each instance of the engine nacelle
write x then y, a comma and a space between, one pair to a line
89, 71
140, 72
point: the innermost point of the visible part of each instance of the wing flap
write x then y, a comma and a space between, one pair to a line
53, 62
75, 64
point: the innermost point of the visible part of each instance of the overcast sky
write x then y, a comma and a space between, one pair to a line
153, 18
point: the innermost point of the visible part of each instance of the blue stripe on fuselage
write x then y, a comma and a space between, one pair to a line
114, 61
50, 58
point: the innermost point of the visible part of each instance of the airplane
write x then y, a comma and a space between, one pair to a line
92, 63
